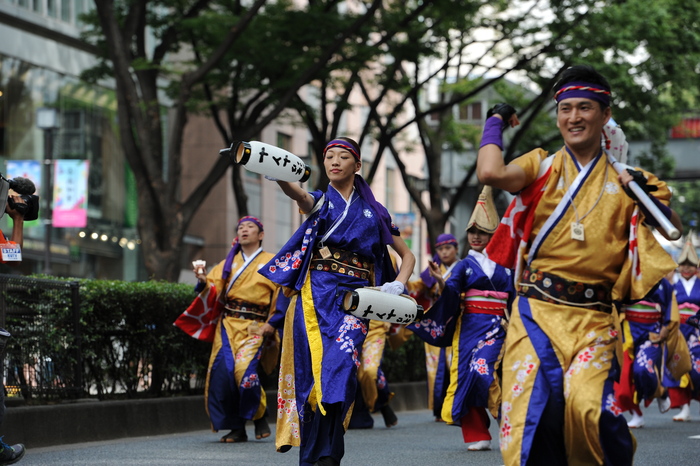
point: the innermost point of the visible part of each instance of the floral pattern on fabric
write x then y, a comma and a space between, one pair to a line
504, 433
287, 404
589, 358
288, 260
612, 406
371, 351
347, 344
250, 381
430, 326
643, 359
381, 382
480, 365
523, 369
249, 345
693, 345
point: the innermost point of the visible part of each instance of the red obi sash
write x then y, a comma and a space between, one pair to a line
484, 302
687, 310
643, 312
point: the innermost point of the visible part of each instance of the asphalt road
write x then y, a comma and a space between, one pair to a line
416, 440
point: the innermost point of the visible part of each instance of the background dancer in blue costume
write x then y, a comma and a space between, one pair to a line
425, 292
246, 304
645, 329
682, 391
341, 246
470, 316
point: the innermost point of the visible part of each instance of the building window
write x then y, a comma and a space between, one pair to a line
463, 112
52, 8
66, 11
390, 189
476, 111
470, 112
284, 141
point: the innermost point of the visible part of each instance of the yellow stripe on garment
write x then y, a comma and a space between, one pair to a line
313, 334
628, 347
628, 344
449, 400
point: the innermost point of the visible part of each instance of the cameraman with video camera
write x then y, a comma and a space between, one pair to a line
17, 199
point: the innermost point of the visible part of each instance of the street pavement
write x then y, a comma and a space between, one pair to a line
417, 440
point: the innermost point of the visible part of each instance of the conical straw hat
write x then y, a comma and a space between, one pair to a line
688, 254
484, 216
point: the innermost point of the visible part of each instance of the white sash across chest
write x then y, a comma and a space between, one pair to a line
566, 200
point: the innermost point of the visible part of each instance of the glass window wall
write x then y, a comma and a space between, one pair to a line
88, 131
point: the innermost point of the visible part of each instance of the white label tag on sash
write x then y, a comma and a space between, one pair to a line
577, 231
11, 254
325, 252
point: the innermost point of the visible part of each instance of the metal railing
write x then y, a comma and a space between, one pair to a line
43, 356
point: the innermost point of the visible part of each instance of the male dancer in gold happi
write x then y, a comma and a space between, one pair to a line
578, 243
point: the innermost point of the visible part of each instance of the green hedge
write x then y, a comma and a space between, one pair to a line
129, 338
407, 363
128, 344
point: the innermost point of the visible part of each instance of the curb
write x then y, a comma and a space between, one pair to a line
93, 421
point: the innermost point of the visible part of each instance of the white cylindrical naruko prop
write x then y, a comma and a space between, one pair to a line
665, 224
370, 303
269, 160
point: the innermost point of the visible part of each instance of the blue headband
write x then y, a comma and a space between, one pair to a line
250, 218
583, 90
343, 144
445, 239
235, 246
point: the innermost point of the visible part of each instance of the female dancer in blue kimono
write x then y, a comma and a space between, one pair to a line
644, 332
340, 247
473, 300
687, 288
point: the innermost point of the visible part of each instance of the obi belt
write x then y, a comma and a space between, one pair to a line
484, 302
643, 312
686, 310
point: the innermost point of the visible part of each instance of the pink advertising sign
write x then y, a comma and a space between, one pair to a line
70, 193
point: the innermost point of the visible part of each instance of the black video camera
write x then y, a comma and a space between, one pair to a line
25, 188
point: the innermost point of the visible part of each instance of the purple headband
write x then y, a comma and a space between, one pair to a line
250, 218
235, 246
441, 240
445, 239
345, 145
583, 90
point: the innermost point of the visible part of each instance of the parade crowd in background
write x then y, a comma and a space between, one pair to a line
559, 318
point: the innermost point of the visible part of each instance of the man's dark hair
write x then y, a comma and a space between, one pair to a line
582, 73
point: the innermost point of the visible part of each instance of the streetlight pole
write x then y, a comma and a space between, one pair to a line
47, 120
